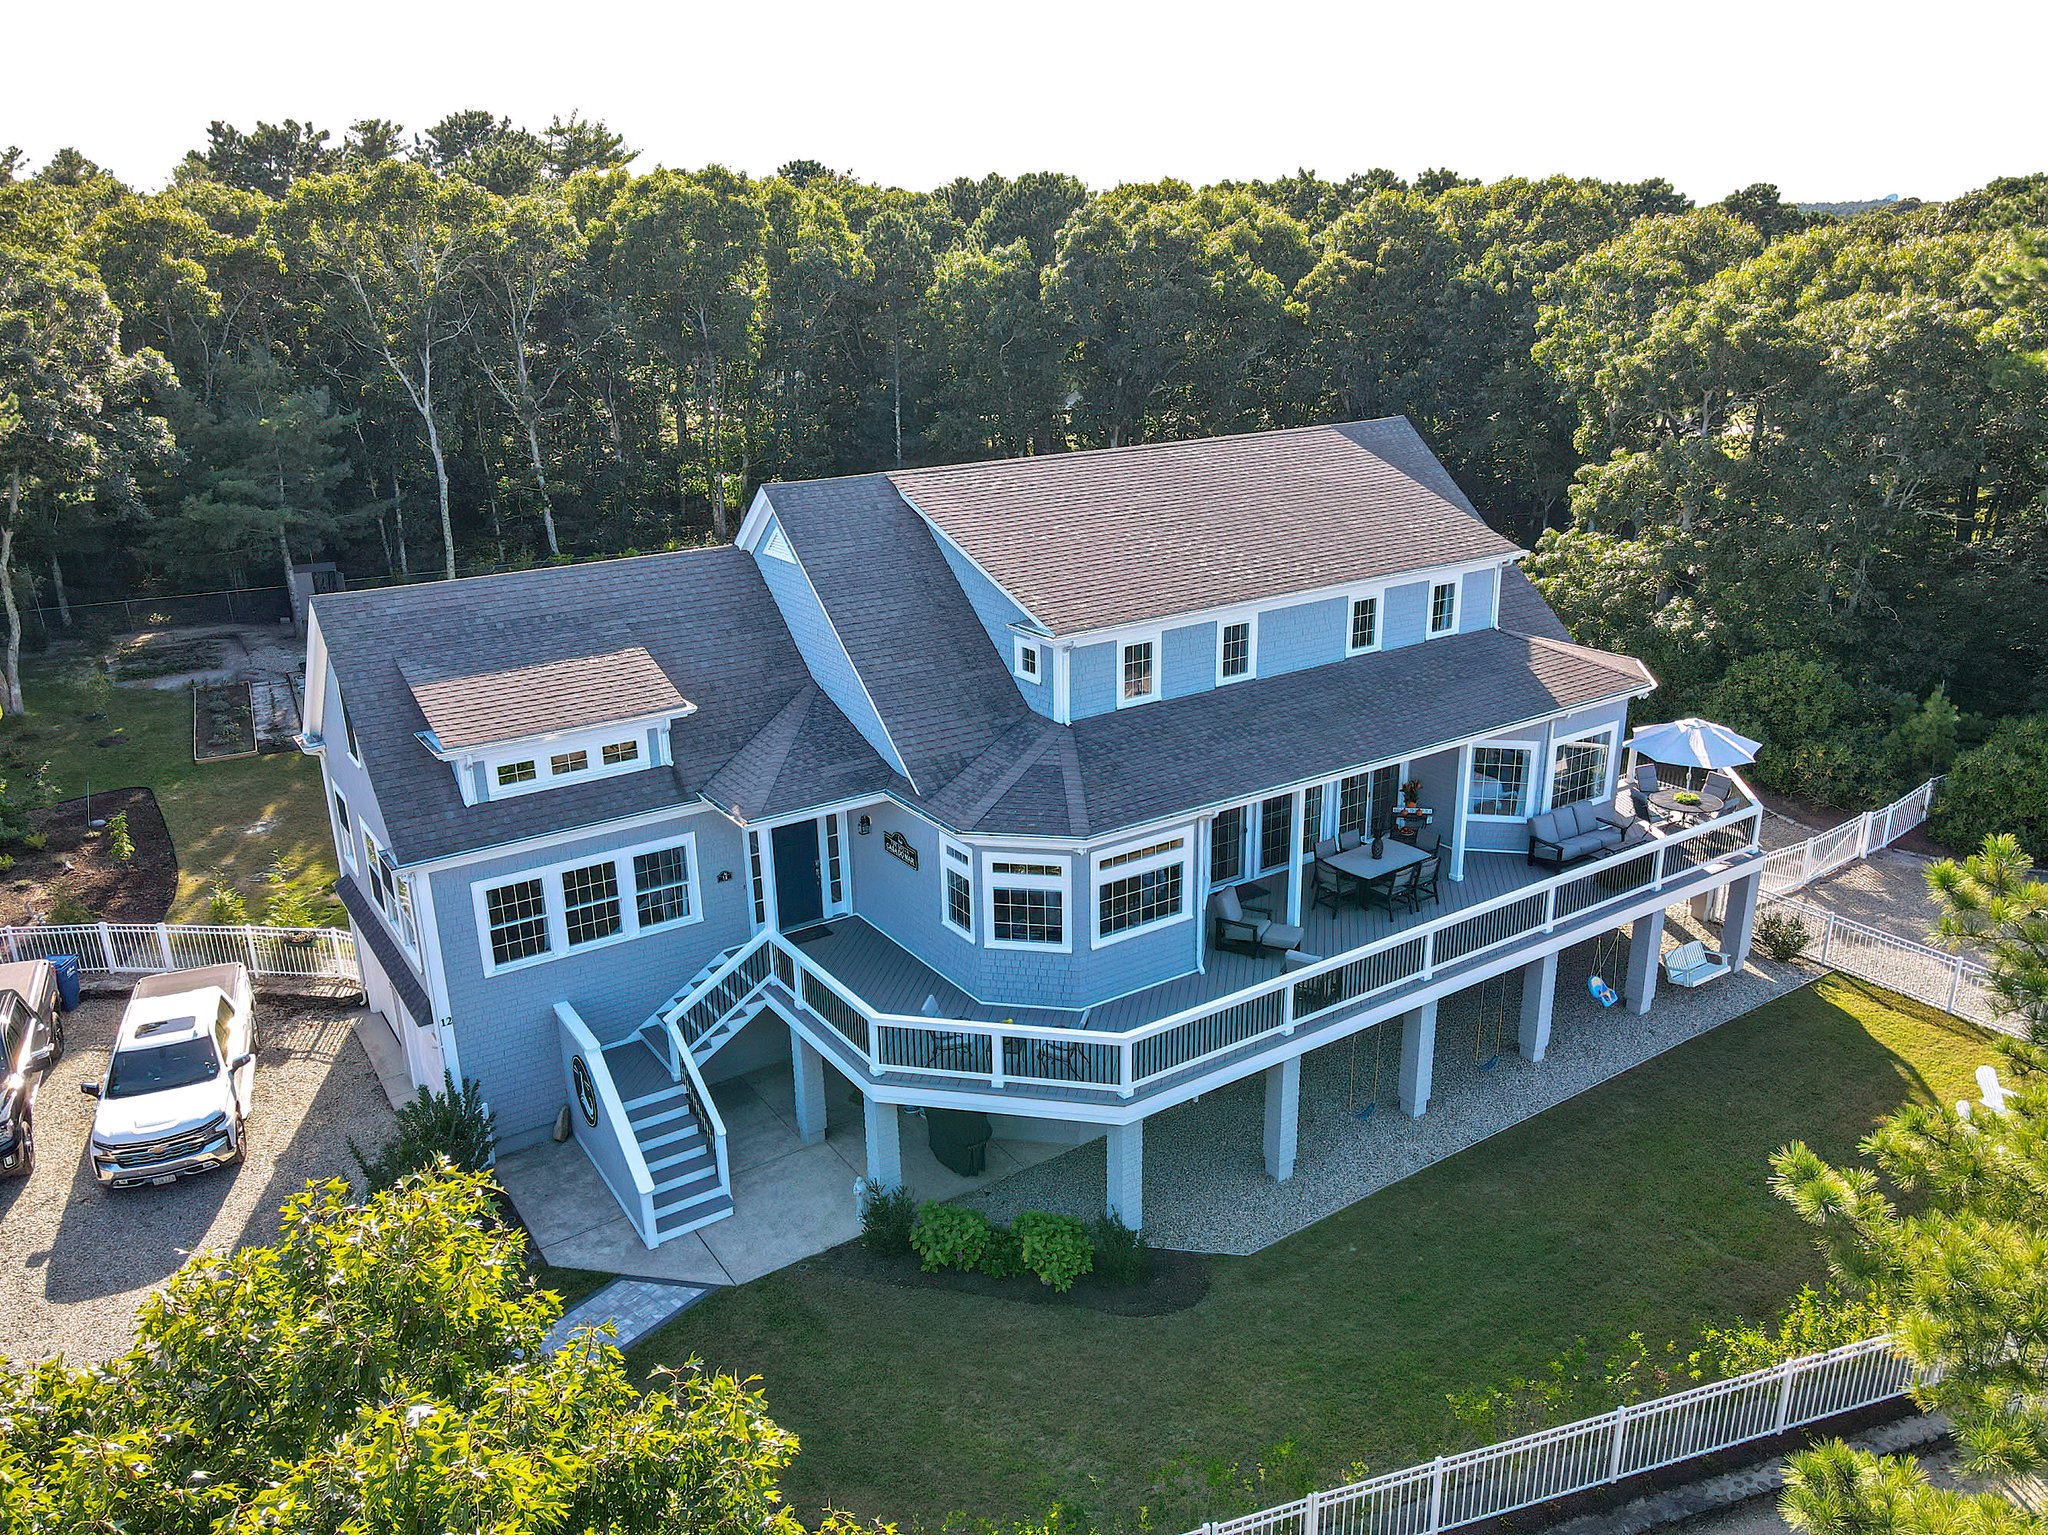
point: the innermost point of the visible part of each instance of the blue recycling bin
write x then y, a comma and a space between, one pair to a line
66, 966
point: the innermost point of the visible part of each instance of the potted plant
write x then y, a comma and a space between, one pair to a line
1687, 798
1411, 793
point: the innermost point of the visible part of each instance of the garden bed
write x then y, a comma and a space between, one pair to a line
80, 858
1174, 1281
223, 721
167, 655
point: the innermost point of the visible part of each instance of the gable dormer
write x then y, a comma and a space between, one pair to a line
525, 729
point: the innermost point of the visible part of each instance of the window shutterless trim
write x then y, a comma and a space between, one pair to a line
1027, 659
1133, 860
1610, 733
1456, 587
955, 862
1155, 643
1533, 750
344, 828
1377, 596
1047, 872
554, 901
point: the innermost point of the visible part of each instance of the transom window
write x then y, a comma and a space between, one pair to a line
590, 903
510, 773
1443, 607
1139, 672
1365, 625
835, 871
1027, 904
1235, 659
958, 909
567, 762
619, 753
1579, 770
1500, 780
517, 918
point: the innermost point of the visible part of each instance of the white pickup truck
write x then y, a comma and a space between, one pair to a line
177, 1086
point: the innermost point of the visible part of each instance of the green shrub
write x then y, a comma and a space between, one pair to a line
1814, 1322
1003, 1258
1054, 1247
225, 906
120, 845
1998, 787
886, 1216
454, 1123
287, 905
66, 909
949, 1236
35, 841
1783, 938
1122, 1255
6, 862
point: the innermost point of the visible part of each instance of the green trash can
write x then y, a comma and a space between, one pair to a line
959, 1139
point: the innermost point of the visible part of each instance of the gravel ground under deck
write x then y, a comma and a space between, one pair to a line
76, 1260
1206, 1188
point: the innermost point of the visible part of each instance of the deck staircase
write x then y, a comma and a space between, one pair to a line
710, 1008
688, 1191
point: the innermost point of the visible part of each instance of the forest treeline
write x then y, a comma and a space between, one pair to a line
1798, 462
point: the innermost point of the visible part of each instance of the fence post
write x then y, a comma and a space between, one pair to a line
107, 945
13, 953
1955, 984
1827, 937
1436, 1496
1785, 1371
163, 944
1614, 1461
1312, 1513
249, 941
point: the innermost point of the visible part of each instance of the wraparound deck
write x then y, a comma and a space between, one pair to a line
891, 1021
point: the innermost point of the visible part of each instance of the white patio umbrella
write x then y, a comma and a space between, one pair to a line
1693, 743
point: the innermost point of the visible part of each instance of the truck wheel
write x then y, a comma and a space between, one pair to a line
28, 1144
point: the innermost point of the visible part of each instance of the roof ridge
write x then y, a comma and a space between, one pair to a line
1024, 762
1613, 659
778, 737
1076, 454
482, 578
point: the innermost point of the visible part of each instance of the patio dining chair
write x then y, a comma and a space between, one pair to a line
1719, 784
1326, 886
1646, 779
1326, 847
1394, 890
1423, 885
1428, 841
1347, 840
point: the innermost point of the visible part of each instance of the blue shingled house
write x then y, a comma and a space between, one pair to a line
1055, 790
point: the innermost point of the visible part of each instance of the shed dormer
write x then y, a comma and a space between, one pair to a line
523, 729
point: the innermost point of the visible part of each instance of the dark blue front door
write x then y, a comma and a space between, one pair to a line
799, 879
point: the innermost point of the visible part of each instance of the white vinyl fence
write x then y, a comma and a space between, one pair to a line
1793, 868
1951, 982
142, 948
1594, 1452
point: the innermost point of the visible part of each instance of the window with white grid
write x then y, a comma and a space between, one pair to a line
661, 886
1500, 780
958, 896
1443, 607
1234, 659
1226, 846
590, 902
1138, 672
516, 917
1579, 770
1311, 817
1027, 904
1140, 890
1365, 625
1354, 802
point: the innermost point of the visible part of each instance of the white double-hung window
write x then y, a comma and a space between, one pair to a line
1237, 650
1362, 624
585, 903
392, 892
1137, 671
1443, 608
1502, 772
1026, 903
956, 893
1141, 887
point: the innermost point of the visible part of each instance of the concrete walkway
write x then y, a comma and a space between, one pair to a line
790, 1200
1206, 1186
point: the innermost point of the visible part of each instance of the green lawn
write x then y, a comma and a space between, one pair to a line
1640, 1206
230, 817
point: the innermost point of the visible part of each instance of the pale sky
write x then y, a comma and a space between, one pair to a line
1831, 102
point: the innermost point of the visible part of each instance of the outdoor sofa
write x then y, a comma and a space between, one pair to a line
1578, 831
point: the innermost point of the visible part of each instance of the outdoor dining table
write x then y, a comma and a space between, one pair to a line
1357, 863
1668, 802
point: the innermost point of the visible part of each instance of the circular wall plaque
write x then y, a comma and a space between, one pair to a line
586, 1090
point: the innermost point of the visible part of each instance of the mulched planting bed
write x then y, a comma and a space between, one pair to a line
1175, 1282
137, 891
223, 723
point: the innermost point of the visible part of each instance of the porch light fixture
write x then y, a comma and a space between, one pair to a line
866, 826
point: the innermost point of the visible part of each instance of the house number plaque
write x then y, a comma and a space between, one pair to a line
899, 845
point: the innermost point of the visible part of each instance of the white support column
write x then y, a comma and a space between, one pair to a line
1283, 1117
1127, 1174
1539, 992
1738, 925
1418, 1058
808, 1067
1645, 955
1459, 818
1205, 833
1294, 859
885, 1144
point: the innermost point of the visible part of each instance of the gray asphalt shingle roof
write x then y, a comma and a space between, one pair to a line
1124, 535
467, 708
704, 616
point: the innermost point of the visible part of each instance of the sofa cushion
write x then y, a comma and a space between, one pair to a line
1584, 843
1545, 828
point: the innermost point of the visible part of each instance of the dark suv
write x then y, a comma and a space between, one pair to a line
31, 1038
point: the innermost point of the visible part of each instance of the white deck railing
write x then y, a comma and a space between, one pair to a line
142, 948
1950, 981
1793, 868
1577, 1457
1103, 1063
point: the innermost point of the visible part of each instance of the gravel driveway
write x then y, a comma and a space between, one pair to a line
76, 1260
